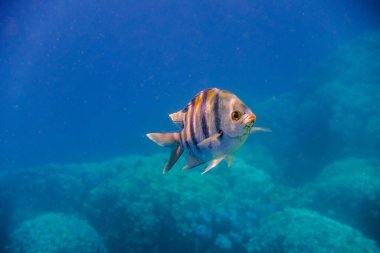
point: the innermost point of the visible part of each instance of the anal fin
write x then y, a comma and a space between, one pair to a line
191, 162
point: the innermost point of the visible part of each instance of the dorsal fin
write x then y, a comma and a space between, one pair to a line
178, 117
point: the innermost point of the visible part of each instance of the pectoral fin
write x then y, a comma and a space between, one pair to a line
213, 163
212, 139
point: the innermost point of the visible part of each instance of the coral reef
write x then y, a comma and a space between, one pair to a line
56, 233
135, 207
349, 191
222, 208
301, 230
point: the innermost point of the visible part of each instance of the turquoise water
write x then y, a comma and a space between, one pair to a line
81, 83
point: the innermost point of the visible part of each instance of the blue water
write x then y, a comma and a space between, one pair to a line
84, 81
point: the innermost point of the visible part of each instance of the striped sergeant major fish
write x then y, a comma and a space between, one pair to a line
213, 125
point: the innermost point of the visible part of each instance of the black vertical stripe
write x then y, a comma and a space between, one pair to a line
192, 133
188, 146
216, 112
203, 115
180, 140
186, 125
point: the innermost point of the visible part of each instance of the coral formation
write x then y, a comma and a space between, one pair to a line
136, 208
133, 205
301, 230
349, 191
223, 208
56, 233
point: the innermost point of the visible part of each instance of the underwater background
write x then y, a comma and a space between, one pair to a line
82, 82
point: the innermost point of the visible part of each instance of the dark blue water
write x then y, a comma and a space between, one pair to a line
84, 81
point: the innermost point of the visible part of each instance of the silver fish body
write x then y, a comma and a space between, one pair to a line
214, 124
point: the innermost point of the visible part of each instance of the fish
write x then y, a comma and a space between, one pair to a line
214, 124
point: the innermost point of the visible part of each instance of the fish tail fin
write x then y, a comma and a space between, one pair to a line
168, 140
164, 139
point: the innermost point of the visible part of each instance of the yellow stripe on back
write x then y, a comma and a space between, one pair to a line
210, 111
197, 117
198, 100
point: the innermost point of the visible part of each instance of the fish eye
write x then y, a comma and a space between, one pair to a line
235, 115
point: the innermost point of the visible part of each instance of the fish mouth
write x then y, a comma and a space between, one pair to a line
249, 120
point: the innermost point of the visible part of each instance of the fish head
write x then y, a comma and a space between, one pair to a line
237, 118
